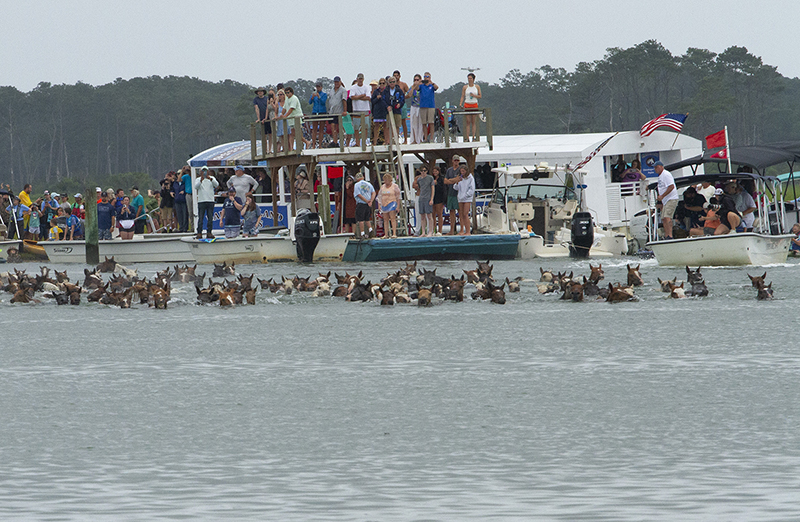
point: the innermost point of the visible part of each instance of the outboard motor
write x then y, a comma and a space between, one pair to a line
582, 235
306, 234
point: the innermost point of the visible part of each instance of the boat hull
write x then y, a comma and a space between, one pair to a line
263, 249
727, 250
5, 246
440, 248
138, 250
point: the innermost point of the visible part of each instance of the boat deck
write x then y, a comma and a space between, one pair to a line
439, 248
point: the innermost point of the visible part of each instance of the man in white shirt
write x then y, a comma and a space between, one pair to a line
243, 184
361, 96
667, 196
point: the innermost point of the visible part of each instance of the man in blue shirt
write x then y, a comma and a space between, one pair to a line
17, 212
106, 214
427, 105
186, 178
318, 101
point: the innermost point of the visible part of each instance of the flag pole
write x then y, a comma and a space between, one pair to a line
728, 150
679, 133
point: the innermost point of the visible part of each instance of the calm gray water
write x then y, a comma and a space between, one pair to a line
301, 408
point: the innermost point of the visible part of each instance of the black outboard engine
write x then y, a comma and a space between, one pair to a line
582, 235
306, 234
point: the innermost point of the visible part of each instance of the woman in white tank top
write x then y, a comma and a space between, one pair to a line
470, 94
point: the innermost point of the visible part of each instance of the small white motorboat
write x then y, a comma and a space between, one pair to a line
161, 249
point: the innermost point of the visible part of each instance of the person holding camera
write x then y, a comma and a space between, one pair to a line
427, 104
231, 218
204, 188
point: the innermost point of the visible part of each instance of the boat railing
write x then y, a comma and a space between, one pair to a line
265, 146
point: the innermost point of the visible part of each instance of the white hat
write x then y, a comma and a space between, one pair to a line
98, 189
717, 192
55, 195
78, 195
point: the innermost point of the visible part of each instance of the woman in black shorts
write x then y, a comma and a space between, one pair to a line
439, 199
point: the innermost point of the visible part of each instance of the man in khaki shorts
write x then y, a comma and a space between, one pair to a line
427, 105
667, 196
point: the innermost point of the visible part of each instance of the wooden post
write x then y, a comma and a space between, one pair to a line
489, 138
341, 133
446, 128
292, 171
253, 151
273, 171
324, 203
361, 131
91, 232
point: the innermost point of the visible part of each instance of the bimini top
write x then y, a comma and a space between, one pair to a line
756, 157
226, 155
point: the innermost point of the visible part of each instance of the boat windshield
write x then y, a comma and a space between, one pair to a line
520, 192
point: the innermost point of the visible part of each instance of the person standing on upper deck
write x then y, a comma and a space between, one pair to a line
470, 94
427, 105
291, 110
416, 124
261, 106
336, 104
319, 106
403, 86
362, 98
667, 196
396, 101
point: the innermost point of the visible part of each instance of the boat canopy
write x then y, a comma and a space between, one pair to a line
225, 155
756, 157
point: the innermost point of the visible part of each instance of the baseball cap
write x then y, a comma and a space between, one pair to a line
78, 195
98, 189
47, 192
55, 195
204, 168
657, 163
337, 79
360, 75
231, 190
238, 168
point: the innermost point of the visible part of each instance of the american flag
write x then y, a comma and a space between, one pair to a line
591, 155
673, 121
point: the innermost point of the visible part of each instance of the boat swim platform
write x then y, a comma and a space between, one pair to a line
436, 248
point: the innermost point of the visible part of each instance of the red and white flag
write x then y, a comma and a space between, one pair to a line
716, 140
723, 154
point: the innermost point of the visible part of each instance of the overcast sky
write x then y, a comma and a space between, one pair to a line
262, 42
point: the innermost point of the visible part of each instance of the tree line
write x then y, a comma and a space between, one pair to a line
80, 135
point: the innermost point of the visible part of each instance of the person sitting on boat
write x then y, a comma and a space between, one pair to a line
794, 249
729, 218
667, 196
709, 222
693, 204
230, 215
633, 173
745, 205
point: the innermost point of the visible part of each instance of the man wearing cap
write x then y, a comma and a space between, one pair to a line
667, 196
204, 188
17, 213
167, 202
362, 97
336, 104
99, 194
318, 102
137, 203
106, 216
49, 210
231, 215
78, 209
243, 184
291, 110
261, 106
427, 105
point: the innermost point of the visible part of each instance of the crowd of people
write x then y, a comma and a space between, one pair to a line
413, 108
705, 209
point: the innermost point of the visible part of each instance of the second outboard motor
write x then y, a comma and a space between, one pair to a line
582, 235
306, 234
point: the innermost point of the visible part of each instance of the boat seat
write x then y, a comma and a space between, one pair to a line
523, 211
566, 212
